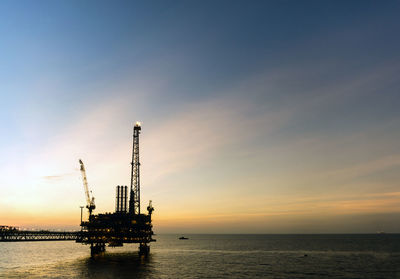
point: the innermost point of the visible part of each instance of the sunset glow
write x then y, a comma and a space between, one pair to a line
247, 117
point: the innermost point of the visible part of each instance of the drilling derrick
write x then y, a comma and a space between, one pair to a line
134, 206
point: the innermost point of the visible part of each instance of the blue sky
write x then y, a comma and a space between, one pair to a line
281, 113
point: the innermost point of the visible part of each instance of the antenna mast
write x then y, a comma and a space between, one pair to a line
134, 201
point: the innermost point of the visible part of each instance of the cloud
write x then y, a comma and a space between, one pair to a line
52, 177
56, 177
365, 168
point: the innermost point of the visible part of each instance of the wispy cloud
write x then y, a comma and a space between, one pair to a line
57, 177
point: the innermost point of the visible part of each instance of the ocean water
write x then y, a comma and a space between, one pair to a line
212, 256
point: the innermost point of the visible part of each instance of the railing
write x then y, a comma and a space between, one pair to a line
17, 235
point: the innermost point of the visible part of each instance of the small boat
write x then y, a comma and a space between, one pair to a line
182, 237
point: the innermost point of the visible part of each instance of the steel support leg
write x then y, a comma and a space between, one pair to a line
144, 249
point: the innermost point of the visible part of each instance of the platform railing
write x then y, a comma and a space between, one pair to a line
21, 235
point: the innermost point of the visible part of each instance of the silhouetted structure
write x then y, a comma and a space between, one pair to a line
11, 234
121, 200
113, 229
121, 227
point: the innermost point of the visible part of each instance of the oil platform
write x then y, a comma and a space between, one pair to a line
127, 224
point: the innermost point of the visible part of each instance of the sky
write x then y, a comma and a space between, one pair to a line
257, 117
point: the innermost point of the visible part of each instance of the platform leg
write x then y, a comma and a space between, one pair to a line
97, 249
144, 249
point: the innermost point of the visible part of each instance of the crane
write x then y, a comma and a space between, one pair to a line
90, 201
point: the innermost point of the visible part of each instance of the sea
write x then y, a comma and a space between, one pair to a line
212, 256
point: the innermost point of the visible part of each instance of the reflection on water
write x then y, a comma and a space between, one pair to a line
114, 265
212, 256
107, 266
71, 260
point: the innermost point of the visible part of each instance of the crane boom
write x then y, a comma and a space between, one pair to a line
90, 201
